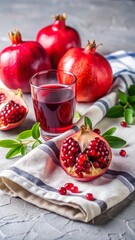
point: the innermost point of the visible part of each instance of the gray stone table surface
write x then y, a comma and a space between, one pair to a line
111, 22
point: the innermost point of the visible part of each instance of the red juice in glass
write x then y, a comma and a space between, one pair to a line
55, 109
54, 106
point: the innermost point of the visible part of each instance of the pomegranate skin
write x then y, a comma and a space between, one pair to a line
20, 61
93, 72
85, 155
57, 38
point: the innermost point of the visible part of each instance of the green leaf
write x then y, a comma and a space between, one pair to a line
109, 132
8, 143
24, 150
131, 90
115, 142
133, 109
88, 122
131, 99
123, 97
128, 114
36, 143
25, 134
36, 131
14, 151
115, 112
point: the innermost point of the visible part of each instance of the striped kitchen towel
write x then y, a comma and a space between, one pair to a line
37, 176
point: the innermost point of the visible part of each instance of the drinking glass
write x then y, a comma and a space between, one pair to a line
54, 101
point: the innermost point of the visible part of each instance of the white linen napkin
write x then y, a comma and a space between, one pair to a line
37, 176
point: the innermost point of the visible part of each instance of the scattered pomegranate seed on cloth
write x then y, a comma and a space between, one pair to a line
123, 124
122, 153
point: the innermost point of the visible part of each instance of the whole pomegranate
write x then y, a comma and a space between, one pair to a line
58, 38
20, 61
85, 155
13, 109
93, 72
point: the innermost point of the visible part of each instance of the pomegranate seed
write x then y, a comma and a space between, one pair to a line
65, 145
81, 159
2, 97
122, 153
63, 157
64, 142
71, 161
66, 157
62, 191
104, 148
77, 171
79, 168
74, 149
101, 165
92, 152
87, 164
70, 140
87, 171
74, 189
102, 154
74, 144
98, 139
103, 160
97, 154
84, 169
96, 130
69, 147
106, 153
96, 164
65, 164
70, 153
68, 186
64, 150
89, 196
101, 143
80, 175
123, 124
93, 143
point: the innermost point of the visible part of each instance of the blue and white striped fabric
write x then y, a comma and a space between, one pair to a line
37, 176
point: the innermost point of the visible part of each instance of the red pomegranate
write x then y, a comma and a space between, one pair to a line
93, 72
13, 109
58, 38
85, 155
20, 61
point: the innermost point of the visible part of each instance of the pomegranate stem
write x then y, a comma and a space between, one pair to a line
27, 142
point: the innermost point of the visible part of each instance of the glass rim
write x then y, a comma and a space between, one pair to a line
52, 70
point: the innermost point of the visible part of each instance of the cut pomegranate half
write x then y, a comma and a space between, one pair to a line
85, 155
13, 109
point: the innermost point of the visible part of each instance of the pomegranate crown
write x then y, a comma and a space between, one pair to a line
59, 21
92, 46
60, 17
15, 36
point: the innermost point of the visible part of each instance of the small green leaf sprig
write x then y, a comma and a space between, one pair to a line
114, 141
125, 107
25, 141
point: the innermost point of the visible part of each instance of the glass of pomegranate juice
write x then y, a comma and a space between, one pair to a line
54, 102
